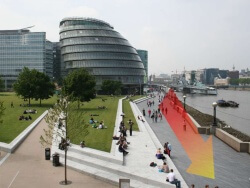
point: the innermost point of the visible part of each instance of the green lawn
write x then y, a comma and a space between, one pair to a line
128, 112
11, 126
100, 139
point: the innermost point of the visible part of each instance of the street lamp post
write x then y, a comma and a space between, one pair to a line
184, 97
214, 105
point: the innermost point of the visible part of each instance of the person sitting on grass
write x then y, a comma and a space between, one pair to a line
92, 121
82, 144
101, 125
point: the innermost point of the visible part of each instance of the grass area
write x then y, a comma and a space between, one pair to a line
100, 139
128, 111
12, 126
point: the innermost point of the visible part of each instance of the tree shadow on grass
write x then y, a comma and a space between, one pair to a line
3, 94
38, 105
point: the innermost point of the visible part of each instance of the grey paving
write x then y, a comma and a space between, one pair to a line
232, 169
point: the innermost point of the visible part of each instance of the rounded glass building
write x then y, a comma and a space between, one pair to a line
96, 46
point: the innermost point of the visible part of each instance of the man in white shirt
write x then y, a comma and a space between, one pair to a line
171, 179
100, 126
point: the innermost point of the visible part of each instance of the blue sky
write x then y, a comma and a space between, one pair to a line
194, 34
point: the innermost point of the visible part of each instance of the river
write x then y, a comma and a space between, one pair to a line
238, 118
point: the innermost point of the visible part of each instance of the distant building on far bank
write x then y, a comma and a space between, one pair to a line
22, 48
233, 74
209, 75
221, 81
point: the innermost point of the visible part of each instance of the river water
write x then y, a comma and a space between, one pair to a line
238, 118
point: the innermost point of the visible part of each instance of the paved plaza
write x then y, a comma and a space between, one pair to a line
232, 168
27, 166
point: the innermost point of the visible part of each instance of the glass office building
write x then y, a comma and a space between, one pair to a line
96, 46
22, 48
144, 58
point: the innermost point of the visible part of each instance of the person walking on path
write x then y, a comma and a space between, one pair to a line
130, 123
153, 117
149, 113
143, 112
166, 110
169, 149
160, 116
156, 117
184, 125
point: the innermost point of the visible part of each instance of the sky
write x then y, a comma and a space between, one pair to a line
178, 34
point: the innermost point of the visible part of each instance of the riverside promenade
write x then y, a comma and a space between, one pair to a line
232, 169
27, 168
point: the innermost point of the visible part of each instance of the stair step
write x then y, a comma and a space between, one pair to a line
116, 158
109, 177
109, 167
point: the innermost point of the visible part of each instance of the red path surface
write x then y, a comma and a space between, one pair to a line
200, 152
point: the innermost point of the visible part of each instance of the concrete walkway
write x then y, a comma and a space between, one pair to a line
27, 168
232, 169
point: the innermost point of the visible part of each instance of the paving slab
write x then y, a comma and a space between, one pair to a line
232, 169
27, 168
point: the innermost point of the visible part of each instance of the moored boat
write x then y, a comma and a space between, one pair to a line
233, 104
223, 103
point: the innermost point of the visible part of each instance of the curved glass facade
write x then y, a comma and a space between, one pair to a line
96, 46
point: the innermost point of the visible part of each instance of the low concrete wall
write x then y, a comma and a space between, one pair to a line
10, 148
235, 143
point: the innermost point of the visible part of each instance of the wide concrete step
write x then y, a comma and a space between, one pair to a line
108, 167
106, 176
109, 177
116, 158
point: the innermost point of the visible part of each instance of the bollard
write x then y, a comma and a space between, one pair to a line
47, 153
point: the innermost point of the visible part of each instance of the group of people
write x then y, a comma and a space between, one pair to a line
30, 111
150, 103
167, 148
123, 128
22, 117
122, 140
94, 122
165, 168
155, 115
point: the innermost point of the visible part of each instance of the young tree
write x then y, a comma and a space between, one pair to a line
71, 118
1, 111
1, 84
25, 85
44, 87
111, 87
79, 86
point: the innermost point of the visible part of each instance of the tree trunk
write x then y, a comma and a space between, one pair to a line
40, 102
65, 166
29, 101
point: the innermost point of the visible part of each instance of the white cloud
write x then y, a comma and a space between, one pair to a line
82, 11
